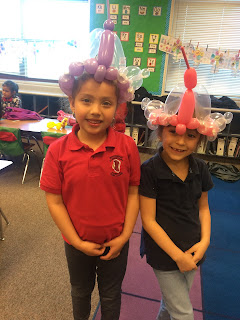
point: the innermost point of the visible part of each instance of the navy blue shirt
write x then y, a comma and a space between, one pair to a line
177, 209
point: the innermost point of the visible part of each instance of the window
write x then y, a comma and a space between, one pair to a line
43, 37
209, 24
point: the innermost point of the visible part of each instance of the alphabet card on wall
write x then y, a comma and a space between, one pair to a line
157, 11
153, 42
125, 9
100, 8
124, 36
142, 10
139, 37
153, 38
151, 64
114, 8
137, 61
125, 20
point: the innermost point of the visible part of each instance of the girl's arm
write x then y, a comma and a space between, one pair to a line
148, 214
61, 217
200, 248
132, 211
130, 220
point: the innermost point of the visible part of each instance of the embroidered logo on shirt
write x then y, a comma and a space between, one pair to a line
116, 165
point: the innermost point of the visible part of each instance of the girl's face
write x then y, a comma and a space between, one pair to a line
94, 107
6, 92
177, 147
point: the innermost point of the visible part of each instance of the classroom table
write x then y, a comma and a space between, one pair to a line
34, 126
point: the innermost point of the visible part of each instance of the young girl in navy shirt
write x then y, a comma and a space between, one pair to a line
174, 193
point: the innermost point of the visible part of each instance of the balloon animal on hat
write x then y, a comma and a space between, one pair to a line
186, 108
106, 62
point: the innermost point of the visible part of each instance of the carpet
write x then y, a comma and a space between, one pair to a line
140, 291
220, 273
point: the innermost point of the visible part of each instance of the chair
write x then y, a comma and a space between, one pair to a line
7, 222
11, 145
48, 138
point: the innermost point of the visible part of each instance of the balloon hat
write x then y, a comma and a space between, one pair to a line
186, 108
106, 62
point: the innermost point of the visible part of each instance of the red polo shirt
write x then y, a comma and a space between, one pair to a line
93, 184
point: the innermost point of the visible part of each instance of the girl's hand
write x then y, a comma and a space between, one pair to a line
115, 246
186, 263
198, 250
91, 248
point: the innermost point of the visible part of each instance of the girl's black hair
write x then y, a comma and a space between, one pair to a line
11, 85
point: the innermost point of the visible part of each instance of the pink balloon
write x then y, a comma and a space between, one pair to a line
106, 48
190, 78
111, 74
186, 108
91, 65
180, 129
173, 121
76, 69
163, 119
100, 73
202, 129
193, 124
66, 84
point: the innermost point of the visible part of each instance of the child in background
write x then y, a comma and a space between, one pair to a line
91, 179
9, 96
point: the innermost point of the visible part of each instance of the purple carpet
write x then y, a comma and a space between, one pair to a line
140, 291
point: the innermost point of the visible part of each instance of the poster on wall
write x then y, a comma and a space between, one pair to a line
166, 44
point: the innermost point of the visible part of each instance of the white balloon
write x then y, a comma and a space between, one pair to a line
145, 102
151, 126
228, 117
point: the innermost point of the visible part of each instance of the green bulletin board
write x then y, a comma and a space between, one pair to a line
139, 25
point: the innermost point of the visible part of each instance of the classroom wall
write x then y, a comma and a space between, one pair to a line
140, 17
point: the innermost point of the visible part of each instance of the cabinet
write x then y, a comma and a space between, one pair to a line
226, 148
39, 102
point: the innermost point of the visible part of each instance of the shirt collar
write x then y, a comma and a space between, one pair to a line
164, 172
76, 144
